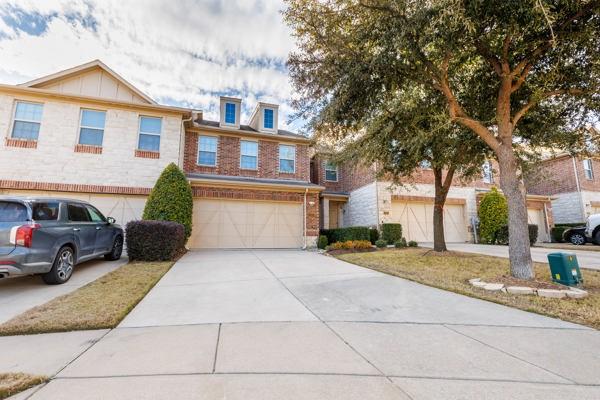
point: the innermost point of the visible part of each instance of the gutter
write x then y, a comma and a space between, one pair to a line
182, 138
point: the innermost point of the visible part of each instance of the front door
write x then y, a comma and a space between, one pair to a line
83, 229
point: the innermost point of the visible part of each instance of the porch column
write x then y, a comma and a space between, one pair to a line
325, 213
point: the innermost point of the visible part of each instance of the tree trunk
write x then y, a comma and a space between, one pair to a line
521, 265
441, 192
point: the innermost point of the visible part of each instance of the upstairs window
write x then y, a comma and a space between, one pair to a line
248, 154
287, 158
425, 164
91, 127
27, 121
268, 118
487, 172
331, 172
230, 113
150, 128
207, 151
588, 169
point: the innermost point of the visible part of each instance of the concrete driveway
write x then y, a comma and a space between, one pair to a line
299, 325
18, 295
586, 259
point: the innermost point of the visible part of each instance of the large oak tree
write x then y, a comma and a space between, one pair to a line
519, 74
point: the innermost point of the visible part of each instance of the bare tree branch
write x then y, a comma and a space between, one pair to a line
519, 114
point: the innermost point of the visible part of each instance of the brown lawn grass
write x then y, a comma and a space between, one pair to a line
100, 304
13, 383
452, 270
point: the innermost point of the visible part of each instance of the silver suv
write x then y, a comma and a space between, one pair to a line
49, 236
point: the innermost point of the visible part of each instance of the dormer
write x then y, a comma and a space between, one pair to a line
230, 112
265, 118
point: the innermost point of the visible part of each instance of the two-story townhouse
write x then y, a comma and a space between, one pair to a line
251, 182
574, 184
89, 134
355, 195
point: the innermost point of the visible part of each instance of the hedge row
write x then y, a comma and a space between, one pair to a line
346, 234
501, 236
154, 240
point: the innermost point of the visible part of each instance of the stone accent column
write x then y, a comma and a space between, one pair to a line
325, 213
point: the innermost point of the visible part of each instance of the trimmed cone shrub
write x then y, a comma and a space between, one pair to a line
322, 242
381, 243
373, 235
154, 240
171, 199
493, 215
391, 232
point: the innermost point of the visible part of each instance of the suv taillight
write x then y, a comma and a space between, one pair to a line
23, 235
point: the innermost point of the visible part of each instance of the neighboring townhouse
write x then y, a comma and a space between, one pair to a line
86, 133
574, 184
251, 183
355, 195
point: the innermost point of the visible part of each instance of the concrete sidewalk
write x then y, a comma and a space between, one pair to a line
586, 259
299, 325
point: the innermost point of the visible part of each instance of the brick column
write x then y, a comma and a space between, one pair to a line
325, 213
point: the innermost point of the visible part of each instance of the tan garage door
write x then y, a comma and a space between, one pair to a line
417, 221
122, 208
595, 210
246, 224
536, 217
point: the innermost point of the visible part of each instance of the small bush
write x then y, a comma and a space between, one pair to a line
171, 199
400, 244
381, 243
154, 240
373, 235
322, 242
351, 244
345, 234
493, 214
412, 243
391, 232
502, 234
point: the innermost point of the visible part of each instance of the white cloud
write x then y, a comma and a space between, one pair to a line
184, 54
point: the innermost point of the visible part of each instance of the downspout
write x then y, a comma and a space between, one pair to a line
305, 215
581, 205
182, 138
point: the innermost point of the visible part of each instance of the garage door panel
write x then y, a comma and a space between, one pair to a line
416, 219
246, 224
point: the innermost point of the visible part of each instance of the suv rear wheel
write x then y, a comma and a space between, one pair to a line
62, 268
116, 251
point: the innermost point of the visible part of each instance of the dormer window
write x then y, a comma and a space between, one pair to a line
230, 113
268, 118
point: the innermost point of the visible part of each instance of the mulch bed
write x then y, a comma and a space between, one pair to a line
510, 281
337, 252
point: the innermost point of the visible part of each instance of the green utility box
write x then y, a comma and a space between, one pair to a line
565, 269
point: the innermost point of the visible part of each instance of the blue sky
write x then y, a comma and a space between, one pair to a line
184, 52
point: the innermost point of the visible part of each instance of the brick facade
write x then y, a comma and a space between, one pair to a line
72, 188
228, 158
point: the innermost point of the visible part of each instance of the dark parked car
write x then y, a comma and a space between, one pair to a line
49, 236
575, 235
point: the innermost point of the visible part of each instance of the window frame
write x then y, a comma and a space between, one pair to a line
216, 151
234, 113
140, 133
242, 154
91, 127
272, 127
588, 173
328, 168
14, 119
279, 157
